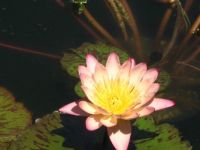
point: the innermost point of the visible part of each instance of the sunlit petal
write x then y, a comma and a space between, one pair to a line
146, 111
120, 135
89, 94
132, 63
148, 95
73, 109
108, 121
137, 73
84, 70
112, 65
130, 115
151, 75
92, 122
91, 62
124, 72
88, 107
100, 74
159, 103
86, 81
153, 88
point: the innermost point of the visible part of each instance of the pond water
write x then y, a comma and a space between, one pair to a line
42, 84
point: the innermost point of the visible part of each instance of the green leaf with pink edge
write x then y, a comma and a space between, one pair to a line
166, 136
42, 135
71, 61
14, 118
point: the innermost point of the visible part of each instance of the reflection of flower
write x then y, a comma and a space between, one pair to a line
116, 94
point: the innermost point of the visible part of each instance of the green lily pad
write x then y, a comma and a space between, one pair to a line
164, 80
167, 136
14, 117
78, 90
71, 61
40, 136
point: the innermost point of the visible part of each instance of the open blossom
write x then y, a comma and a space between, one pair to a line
116, 94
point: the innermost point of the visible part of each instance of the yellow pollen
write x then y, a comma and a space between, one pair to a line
115, 96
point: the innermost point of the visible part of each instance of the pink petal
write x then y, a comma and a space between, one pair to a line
132, 63
108, 121
92, 122
127, 64
73, 109
91, 62
89, 94
146, 111
149, 94
84, 70
88, 107
154, 88
124, 72
137, 73
130, 115
100, 73
159, 103
87, 81
113, 65
151, 75
120, 135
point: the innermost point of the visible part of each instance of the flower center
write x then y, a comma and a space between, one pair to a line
116, 96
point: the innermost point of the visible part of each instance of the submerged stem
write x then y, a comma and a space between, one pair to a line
162, 26
174, 34
188, 60
188, 5
99, 28
117, 11
190, 32
31, 51
133, 26
188, 65
88, 28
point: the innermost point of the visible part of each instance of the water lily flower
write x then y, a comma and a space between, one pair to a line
116, 93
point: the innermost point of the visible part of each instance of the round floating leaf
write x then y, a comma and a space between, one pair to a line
78, 90
166, 136
71, 61
42, 135
14, 117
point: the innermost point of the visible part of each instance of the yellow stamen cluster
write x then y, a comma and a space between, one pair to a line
115, 96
